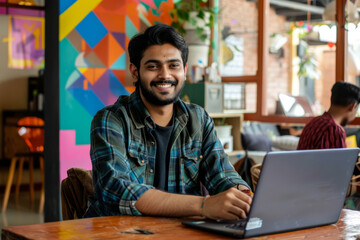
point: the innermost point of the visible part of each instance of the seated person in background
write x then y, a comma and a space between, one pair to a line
151, 152
327, 131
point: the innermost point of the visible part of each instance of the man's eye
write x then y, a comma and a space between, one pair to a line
151, 67
175, 65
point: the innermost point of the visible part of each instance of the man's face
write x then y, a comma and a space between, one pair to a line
161, 75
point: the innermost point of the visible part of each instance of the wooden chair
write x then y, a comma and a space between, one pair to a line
75, 190
355, 181
255, 174
31, 129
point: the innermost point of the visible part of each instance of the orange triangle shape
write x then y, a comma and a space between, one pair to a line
114, 22
115, 50
98, 73
102, 50
131, 89
133, 15
167, 6
120, 74
89, 75
93, 74
85, 47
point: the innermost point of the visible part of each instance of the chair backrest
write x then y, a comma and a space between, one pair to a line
75, 190
255, 174
31, 129
355, 180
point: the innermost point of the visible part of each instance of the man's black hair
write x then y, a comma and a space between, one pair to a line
158, 34
344, 94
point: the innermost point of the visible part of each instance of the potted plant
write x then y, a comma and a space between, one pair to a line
222, 128
194, 19
223, 132
193, 15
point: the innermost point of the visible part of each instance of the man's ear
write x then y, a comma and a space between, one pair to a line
134, 72
352, 106
185, 69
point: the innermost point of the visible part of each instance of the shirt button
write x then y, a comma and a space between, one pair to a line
151, 170
196, 158
153, 143
142, 161
201, 156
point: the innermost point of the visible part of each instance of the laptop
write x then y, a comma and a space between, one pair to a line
296, 190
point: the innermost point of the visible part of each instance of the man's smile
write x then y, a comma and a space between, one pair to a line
164, 84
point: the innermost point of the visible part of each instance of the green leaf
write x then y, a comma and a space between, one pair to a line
175, 24
237, 49
211, 18
203, 37
199, 31
183, 15
193, 21
201, 14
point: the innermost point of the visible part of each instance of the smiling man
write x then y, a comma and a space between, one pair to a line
152, 153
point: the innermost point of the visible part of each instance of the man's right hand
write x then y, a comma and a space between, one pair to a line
231, 204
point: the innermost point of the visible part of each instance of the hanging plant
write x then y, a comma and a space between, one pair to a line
308, 67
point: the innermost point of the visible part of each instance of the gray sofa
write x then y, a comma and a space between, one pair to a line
259, 136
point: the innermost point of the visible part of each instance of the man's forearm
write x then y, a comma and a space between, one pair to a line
157, 203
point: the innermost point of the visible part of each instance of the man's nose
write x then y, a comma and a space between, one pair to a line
164, 73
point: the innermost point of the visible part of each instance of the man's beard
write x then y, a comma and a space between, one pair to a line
150, 96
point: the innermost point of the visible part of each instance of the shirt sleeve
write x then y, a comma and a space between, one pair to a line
220, 174
115, 188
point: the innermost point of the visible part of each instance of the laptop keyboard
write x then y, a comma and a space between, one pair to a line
238, 224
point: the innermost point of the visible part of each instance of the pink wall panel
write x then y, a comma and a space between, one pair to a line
72, 155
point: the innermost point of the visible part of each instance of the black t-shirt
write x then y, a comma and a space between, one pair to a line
162, 136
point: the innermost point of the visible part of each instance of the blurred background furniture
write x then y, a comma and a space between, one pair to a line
31, 129
261, 136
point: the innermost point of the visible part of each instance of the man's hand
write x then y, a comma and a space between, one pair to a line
231, 204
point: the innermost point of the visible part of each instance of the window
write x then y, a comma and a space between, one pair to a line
238, 37
301, 59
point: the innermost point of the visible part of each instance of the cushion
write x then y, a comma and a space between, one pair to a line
269, 129
286, 142
256, 142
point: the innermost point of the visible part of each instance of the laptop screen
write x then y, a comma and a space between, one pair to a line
299, 189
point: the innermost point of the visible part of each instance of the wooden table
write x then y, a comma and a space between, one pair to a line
124, 227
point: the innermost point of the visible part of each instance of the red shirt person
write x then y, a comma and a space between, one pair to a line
327, 131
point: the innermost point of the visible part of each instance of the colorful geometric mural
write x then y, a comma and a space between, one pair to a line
26, 42
93, 36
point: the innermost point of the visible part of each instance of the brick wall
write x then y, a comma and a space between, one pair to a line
278, 69
242, 17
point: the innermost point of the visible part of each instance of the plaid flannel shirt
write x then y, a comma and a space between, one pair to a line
123, 155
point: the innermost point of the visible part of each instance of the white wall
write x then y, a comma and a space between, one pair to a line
13, 82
